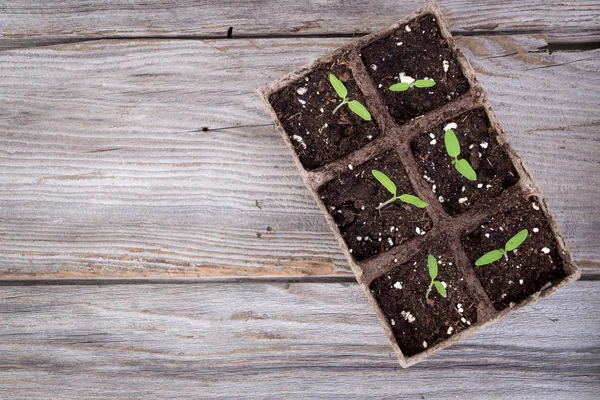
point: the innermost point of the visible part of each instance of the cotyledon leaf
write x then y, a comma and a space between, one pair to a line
385, 181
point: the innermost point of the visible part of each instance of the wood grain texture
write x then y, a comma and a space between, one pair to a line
304, 341
105, 172
28, 23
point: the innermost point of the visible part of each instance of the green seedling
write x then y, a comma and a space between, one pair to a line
433, 272
408, 82
495, 255
453, 150
391, 187
355, 106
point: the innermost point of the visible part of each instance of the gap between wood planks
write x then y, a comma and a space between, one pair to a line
552, 46
347, 279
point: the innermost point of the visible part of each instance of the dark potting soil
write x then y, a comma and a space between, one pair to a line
352, 200
478, 144
527, 269
419, 52
305, 109
418, 323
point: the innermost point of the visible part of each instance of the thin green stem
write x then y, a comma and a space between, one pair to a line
429, 290
387, 202
340, 105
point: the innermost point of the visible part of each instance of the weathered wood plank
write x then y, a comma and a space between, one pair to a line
33, 23
300, 341
102, 176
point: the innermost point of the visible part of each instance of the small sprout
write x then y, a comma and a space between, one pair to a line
391, 187
420, 83
433, 272
355, 106
453, 150
495, 255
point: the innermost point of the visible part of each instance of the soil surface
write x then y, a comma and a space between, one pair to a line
528, 268
418, 323
352, 200
305, 109
478, 144
419, 52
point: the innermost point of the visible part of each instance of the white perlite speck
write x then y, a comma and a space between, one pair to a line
406, 79
321, 109
520, 281
484, 145
359, 238
535, 206
374, 67
545, 250
407, 28
479, 185
424, 344
302, 90
449, 331
462, 200
431, 135
433, 188
399, 44
392, 322
408, 316
302, 101
445, 65
390, 241
433, 142
441, 199
536, 230
418, 230
398, 285
350, 167
451, 125
299, 140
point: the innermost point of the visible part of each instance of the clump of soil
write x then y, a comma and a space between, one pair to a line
305, 110
478, 144
417, 49
352, 200
418, 323
527, 269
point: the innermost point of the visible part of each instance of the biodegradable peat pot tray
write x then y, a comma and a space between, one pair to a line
437, 140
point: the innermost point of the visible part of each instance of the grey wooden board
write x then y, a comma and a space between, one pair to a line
31, 22
254, 341
101, 174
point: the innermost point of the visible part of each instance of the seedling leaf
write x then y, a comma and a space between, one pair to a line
440, 288
424, 83
465, 169
489, 257
399, 87
359, 110
452, 145
516, 240
385, 181
414, 200
338, 86
433, 266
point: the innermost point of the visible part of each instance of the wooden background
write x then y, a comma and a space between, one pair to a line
156, 241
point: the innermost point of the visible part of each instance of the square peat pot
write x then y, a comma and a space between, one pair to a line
405, 102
